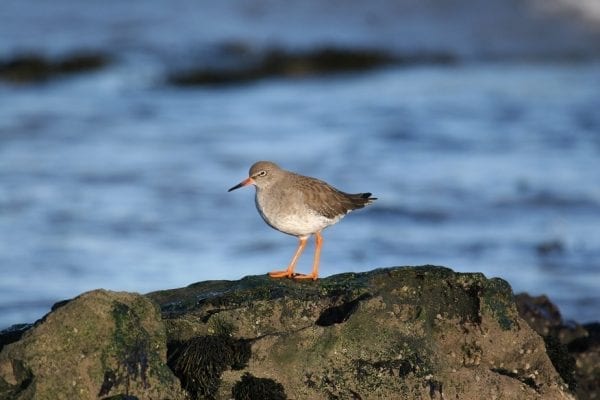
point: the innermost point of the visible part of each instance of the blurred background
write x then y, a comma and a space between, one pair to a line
122, 125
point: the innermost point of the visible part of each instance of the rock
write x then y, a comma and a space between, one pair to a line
550, 247
13, 334
251, 66
573, 348
545, 318
422, 332
411, 332
99, 345
37, 68
586, 351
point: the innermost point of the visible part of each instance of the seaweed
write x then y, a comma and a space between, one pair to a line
199, 362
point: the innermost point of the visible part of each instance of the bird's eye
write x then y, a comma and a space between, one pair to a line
262, 173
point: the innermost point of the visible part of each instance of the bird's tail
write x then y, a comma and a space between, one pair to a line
360, 200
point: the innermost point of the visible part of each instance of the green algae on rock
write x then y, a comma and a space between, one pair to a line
404, 332
411, 332
100, 344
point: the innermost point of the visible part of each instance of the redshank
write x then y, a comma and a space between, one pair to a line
300, 206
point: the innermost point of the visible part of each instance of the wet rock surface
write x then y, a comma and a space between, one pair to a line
407, 332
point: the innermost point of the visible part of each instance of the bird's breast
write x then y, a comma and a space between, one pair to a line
288, 213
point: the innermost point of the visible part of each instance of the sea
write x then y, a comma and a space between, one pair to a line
118, 179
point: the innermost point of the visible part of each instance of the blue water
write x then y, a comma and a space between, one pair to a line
115, 179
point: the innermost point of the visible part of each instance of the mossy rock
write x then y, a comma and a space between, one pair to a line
99, 345
403, 332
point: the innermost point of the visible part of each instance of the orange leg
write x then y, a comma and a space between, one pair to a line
315, 271
289, 272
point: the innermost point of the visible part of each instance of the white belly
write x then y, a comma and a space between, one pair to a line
293, 219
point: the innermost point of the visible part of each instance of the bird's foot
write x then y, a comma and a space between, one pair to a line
281, 274
306, 276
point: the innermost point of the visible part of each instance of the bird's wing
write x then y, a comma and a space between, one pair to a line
330, 202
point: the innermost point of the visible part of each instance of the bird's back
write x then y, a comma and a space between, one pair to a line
327, 200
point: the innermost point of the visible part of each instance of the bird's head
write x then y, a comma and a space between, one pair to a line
261, 174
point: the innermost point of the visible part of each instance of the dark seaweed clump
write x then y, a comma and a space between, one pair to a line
199, 362
251, 388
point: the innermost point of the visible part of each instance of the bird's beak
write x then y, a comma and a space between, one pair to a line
245, 182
